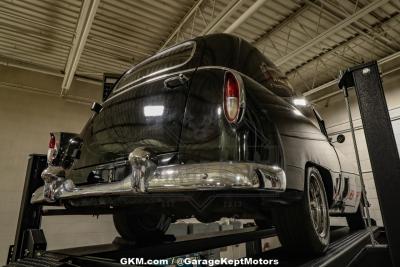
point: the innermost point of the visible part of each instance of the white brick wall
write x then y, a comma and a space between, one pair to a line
335, 115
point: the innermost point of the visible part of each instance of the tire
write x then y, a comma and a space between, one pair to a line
355, 221
298, 227
204, 219
263, 224
139, 227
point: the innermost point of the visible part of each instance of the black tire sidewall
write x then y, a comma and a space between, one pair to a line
132, 227
295, 226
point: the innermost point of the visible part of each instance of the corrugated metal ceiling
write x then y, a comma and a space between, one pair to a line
310, 40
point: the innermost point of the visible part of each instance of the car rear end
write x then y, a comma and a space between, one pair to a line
170, 125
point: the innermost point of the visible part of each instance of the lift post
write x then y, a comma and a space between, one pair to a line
28, 236
382, 148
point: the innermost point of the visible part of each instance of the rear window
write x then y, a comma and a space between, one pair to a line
168, 59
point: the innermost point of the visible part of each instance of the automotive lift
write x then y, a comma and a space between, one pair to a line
347, 248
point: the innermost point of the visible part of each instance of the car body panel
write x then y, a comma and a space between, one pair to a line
150, 115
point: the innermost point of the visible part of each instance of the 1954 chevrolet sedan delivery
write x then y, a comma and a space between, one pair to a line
207, 128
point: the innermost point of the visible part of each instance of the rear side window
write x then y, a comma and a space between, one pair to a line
168, 59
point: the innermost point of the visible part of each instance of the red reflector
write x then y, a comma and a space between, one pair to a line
231, 97
52, 142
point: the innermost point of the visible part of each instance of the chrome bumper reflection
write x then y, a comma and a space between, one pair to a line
219, 175
185, 177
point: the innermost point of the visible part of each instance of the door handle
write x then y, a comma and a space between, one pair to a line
175, 81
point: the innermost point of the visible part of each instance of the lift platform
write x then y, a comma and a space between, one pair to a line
30, 247
342, 250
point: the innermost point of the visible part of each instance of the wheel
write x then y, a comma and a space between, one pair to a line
356, 221
137, 227
304, 225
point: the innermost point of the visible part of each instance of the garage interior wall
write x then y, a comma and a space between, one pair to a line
334, 112
26, 119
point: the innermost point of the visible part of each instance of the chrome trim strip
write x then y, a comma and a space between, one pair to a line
146, 178
175, 73
192, 43
149, 81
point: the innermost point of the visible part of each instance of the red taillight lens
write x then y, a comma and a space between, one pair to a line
52, 142
231, 97
52, 151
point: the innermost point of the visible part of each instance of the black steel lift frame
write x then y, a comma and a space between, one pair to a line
382, 150
347, 249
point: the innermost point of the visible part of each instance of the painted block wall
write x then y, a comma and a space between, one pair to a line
335, 115
25, 122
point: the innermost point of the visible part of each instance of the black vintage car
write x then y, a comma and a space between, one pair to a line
207, 128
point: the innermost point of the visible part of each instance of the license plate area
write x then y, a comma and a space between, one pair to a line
112, 172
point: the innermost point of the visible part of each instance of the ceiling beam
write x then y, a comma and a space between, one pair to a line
341, 46
281, 25
182, 22
253, 8
225, 14
335, 81
360, 27
383, 74
340, 91
344, 23
33, 21
85, 20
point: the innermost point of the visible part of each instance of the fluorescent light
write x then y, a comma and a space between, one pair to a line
300, 102
153, 111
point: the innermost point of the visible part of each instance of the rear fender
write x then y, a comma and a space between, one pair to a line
208, 136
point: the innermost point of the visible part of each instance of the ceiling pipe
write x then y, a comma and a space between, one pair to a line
47, 71
321, 87
86, 17
35, 90
245, 15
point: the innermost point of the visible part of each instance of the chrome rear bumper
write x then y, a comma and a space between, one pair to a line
177, 178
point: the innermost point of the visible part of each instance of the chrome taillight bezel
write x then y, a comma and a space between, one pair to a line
241, 100
64, 146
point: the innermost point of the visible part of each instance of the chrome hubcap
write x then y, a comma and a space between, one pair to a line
318, 206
